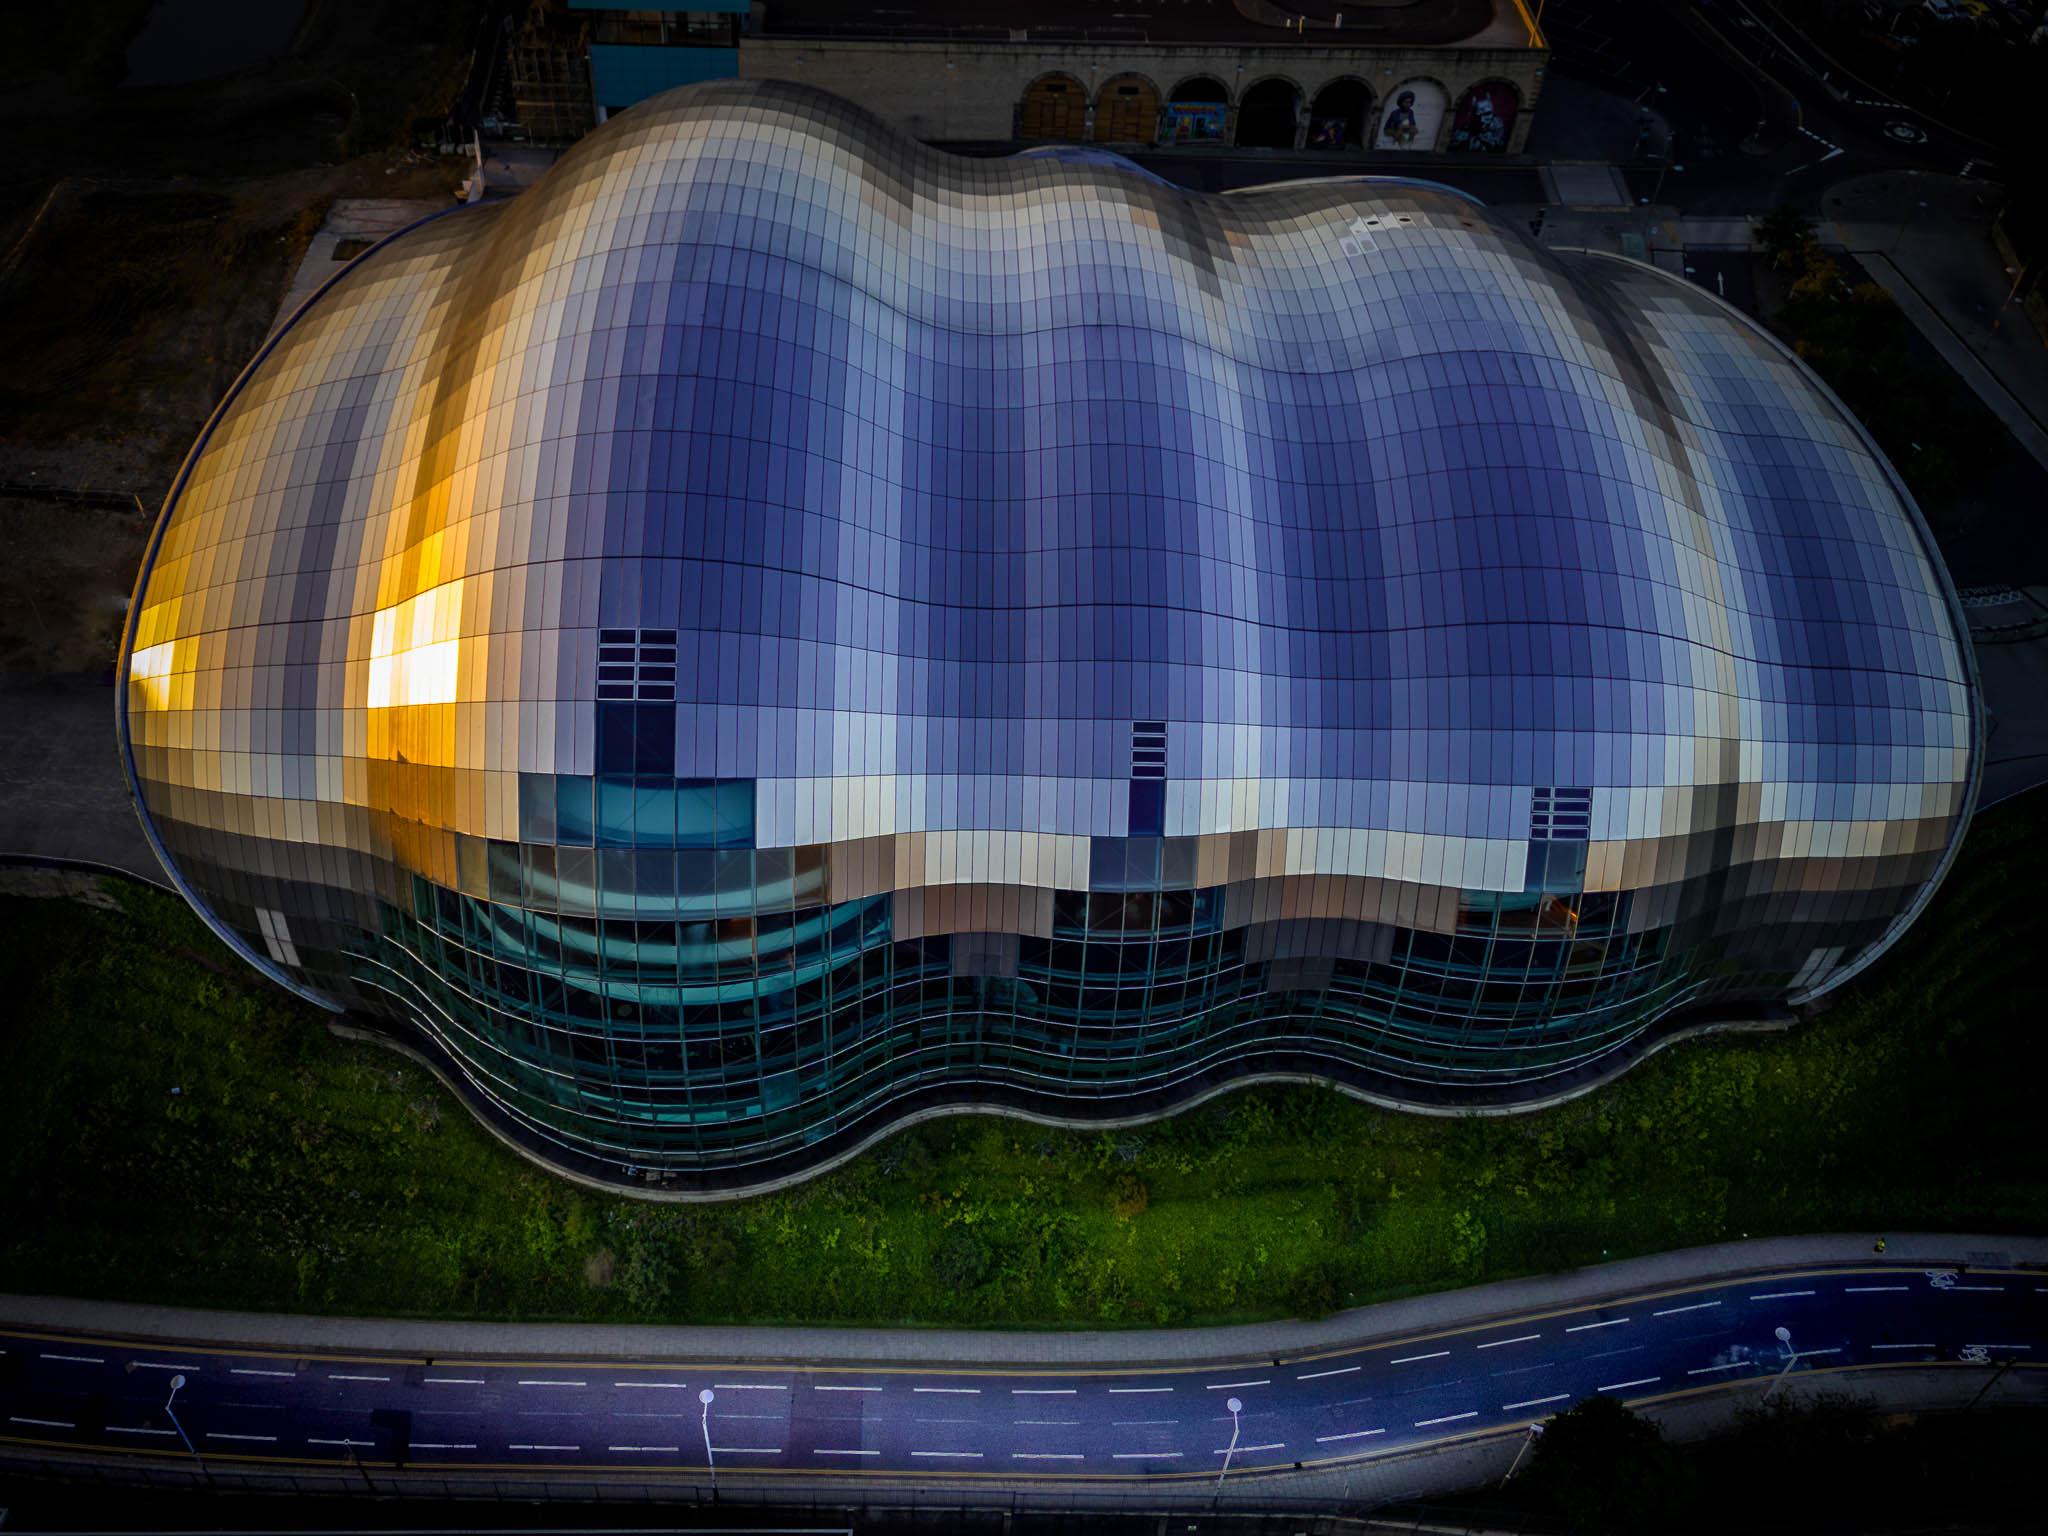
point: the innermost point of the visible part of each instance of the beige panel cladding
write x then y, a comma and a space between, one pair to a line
942, 91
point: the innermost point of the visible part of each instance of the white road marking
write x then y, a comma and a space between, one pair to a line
1131, 1390
1043, 1391
1902, 1346
1449, 1418
1277, 1445
959, 1455
1852, 1290
1977, 1288
1778, 1295
453, 1381
1612, 1322
158, 1365
1224, 1386
1342, 1370
78, 1359
1998, 1346
1352, 1434
366, 1443
1046, 1423
1622, 1386
440, 1445
240, 1370
1144, 1455
1732, 1365
1698, 1306
43, 1423
950, 1391
1518, 1339
136, 1429
332, 1377
218, 1434
1141, 1423
1801, 1354
817, 1387
1534, 1402
665, 1386
1435, 1354
543, 1381
746, 1450
750, 1386
656, 1450
827, 1451
529, 1447
1045, 1456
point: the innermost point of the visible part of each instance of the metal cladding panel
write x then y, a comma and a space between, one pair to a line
630, 630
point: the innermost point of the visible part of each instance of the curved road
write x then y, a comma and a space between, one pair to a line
84, 1393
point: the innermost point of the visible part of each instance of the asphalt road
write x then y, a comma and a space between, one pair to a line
103, 1395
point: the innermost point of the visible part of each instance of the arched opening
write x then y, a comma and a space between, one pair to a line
1485, 118
1412, 115
1266, 118
1338, 116
1197, 112
1055, 107
1127, 111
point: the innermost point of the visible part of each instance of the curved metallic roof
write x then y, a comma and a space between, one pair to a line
948, 472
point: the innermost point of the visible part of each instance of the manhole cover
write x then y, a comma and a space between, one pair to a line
1905, 133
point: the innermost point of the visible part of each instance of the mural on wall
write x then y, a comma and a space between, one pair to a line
1413, 114
1485, 118
1196, 122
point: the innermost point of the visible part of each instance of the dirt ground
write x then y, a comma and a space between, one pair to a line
147, 236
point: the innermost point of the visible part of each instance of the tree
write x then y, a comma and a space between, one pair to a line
1607, 1472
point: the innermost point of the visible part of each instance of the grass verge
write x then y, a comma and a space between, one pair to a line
176, 1131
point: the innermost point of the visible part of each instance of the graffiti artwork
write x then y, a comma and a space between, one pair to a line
1485, 118
1196, 122
1414, 113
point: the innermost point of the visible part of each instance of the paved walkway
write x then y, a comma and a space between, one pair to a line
1418, 1314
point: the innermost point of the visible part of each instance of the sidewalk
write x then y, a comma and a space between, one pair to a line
1418, 1315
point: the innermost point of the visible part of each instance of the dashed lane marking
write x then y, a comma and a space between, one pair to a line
1224, 1386
1519, 1339
1902, 1346
543, 1381
365, 1444
1534, 1402
137, 1429
1623, 1386
1975, 1288
652, 1450
1043, 1391
825, 1450
753, 1386
1449, 1418
1046, 1456
1778, 1295
331, 1376
42, 1423
1350, 1434
746, 1450
448, 1381
1435, 1354
1853, 1290
442, 1445
244, 1370
659, 1386
1342, 1370
820, 1387
221, 1434
1246, 1450
1136, 1391
158, 1365
1612, 1322
950, 1391
1144, 1456
949, 1455
78, 1359
1698, 1306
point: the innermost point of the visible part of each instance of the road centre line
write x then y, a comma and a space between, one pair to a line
644, 1449
78, 1359
1435, 1354
1976, 1288
746, 1450
1131, 1391
821, 1387
1518, 1339
442, 1445
43, 1423
1622, 1386
1449, 1418
1046, 1456
651, 1386
242, 1370
954, 1455
541, 1381
158, 1365
1142, 1423
1778, 1295
1353, 1434
331, 1376
1612, 1322
1144, 1455
756, 1386
1801, 1354
136, 1429
1534, 1402
365, 1444
1902, 1346
1224, 1386
1998, 1346
1342, 1370
1851, 1290
824, 1450
1698, 1306
1242, 1450
1043, 1391
221, 1434
950, 1391
432, 1381
1046, 1423
1732, 1365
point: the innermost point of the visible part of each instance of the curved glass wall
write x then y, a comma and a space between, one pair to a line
777, 623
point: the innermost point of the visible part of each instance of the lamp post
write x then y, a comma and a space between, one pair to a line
1535, 1434
1235, 1408
1791, 1358
178, 1381
706, 1397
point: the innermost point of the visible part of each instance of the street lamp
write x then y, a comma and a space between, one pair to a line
178, 1381
1791, 1358
705, 1397
1235, 1408
1535, 1434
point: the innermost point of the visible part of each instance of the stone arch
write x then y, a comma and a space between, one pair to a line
1196, 111
1483, 120
1269, 114
1411, 115
1055, 106
1341, 115
1127, 110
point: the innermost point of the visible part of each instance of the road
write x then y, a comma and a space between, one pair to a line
255, 1408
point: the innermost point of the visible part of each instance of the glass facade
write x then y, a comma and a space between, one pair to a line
778, 624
